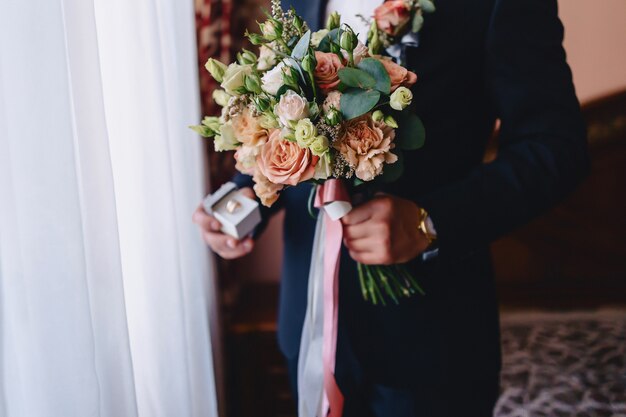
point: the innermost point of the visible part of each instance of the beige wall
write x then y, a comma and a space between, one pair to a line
595, 41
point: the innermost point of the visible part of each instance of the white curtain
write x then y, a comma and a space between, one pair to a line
104, 282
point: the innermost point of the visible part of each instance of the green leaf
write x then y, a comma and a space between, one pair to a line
301, 48
332, 36
393, 172
418, 22
353, 77
410, 134
427, 6
377, 70
203, 131
356, 102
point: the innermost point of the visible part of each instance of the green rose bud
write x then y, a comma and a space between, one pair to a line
216, 69
305, 132
333, 21
253, 83
378, 116
272, 29
391, 122
319, 146
309, 63
400, 98
246, 57
212, 123
333, 117
348, 40
221, 97
202, 131
298, 23
335, 49
374, 44
255, 38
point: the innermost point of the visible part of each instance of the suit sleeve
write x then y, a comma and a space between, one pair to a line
543, 146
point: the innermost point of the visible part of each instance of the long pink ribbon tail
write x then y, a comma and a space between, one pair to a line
331, 191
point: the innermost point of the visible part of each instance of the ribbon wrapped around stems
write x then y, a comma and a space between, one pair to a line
318, 393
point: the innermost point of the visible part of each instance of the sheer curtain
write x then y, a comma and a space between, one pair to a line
104, 290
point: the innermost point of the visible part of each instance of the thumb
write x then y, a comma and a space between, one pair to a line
248, 192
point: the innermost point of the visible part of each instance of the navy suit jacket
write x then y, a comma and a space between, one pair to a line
477, 61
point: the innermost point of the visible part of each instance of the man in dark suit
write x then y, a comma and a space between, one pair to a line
439, 355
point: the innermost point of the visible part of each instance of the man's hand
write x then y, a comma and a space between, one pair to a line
384, 231
225, 246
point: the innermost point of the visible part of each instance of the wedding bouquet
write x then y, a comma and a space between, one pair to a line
320, 106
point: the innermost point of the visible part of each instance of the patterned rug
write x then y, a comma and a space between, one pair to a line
563, 365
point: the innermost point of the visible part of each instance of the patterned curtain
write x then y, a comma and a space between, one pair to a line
220, 34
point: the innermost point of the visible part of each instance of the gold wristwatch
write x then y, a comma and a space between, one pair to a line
425, 226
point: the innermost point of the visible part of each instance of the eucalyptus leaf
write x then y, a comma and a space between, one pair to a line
427, 6
393, 172
418, 22
356, 102
353, 77
332, 36
410, 134
377, 70
301, 48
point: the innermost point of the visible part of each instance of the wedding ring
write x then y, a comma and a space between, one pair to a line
232, 206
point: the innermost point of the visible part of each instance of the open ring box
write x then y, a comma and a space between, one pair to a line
238, 214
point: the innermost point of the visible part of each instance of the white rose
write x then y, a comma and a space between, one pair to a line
317, 37
401, 98
291, 107
360, 52
246, 159
273, 79
221, 97
267, 58
332, 100
234, 77
226, 140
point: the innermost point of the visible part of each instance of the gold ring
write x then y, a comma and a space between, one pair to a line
232, 206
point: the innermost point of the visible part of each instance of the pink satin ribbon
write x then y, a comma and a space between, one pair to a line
332, 190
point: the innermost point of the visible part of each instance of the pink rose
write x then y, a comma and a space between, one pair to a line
327, 70
366, 145
399, 75
284, 162
248, 129
392, 17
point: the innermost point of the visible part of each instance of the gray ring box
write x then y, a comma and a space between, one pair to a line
242, 221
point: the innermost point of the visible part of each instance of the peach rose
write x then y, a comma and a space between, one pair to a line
248, 129
326, 71
366, 145
266, 190
392, 17
399, 75
284, 162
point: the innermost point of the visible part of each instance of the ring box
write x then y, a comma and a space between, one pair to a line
238, 214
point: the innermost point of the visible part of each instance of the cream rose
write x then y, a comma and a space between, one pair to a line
316, 37
332, 100
246, 159
401, 98
272, 80
399, 75
323, 168
221, 97
234, 77
319, 146
267, 58
284, 162
366, 145
291, 107
305, 133
248, 129
266, 190
226, 140
327, 70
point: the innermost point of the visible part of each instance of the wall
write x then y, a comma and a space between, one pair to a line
595, 41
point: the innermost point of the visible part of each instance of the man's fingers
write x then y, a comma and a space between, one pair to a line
248, 192
205, 221
227, 246
357, 215
360, 245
